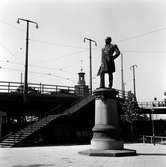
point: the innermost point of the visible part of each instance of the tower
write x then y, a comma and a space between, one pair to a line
81, 88
81, 76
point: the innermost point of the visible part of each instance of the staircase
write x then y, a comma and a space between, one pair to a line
15, 139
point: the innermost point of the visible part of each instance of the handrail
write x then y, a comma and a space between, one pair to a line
152, 138
40, 88
17, 87
152, 104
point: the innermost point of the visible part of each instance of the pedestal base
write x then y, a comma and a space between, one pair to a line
106, 144
107, 139
109, 153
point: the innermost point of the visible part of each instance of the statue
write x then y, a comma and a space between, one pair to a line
109, 53
107, 139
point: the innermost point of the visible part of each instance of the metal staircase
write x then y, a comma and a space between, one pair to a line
15, 139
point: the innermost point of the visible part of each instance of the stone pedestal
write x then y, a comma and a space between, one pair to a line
106, 132
107, 139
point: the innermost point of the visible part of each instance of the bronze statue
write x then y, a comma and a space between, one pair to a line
109, 53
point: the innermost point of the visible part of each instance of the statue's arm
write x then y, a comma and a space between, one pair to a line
102, 58
117, 51
102, 64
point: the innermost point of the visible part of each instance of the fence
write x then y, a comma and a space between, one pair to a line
35, 88
154, 139
17, 87
151, 104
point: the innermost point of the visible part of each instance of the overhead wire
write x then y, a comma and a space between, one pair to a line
48, 74
57, 44
144, 52
141, 35
121, 40
11, 25
60, 69
76, 47
7, 49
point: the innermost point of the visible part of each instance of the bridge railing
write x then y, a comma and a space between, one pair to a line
122, 94
39, 88
151, 104
51, 89
17, 87
8, 87
154, 139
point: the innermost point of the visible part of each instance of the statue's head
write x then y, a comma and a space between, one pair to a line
108, 40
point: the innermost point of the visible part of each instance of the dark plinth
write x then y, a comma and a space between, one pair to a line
109, 153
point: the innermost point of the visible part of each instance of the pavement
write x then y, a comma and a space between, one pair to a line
68, 156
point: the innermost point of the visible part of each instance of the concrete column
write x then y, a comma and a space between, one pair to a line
106, 132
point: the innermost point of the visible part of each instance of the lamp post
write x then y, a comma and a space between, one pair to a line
90, 60
133, 68
122, 77
153, 131
26, 56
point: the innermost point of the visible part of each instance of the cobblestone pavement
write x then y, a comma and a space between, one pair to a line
67, 156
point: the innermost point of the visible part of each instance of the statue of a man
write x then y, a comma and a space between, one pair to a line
109, 53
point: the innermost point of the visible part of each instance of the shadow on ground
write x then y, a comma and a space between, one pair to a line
152, 154
34, 165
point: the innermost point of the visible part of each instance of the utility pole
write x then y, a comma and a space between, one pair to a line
122, 77
26, 56
90, 60
153, 130
21, 78
133, 68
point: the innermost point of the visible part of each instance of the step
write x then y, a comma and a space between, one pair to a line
7, 144
24, 133
17, 136
13, 139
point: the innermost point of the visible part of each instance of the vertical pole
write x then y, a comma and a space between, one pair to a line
26, 57
8, 87
133, 68
134, 81
122, 77
153, 132
26, 65
21, 78
90, 59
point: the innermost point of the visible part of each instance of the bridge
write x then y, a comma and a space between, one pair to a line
46, 104
48, 96
153, 107
16, 88
11, 95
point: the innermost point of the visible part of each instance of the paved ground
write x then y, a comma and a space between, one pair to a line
67, 156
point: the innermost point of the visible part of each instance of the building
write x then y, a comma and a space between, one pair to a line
81, 88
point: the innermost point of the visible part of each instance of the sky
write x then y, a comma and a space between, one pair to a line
57, 50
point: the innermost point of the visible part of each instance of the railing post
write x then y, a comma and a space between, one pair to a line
8, 87
161, 139
56, 89
151, 139
143, 139
40, 87
14, 138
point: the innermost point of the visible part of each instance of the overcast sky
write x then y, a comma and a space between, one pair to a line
56, 49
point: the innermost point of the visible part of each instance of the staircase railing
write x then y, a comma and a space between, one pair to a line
57, 111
